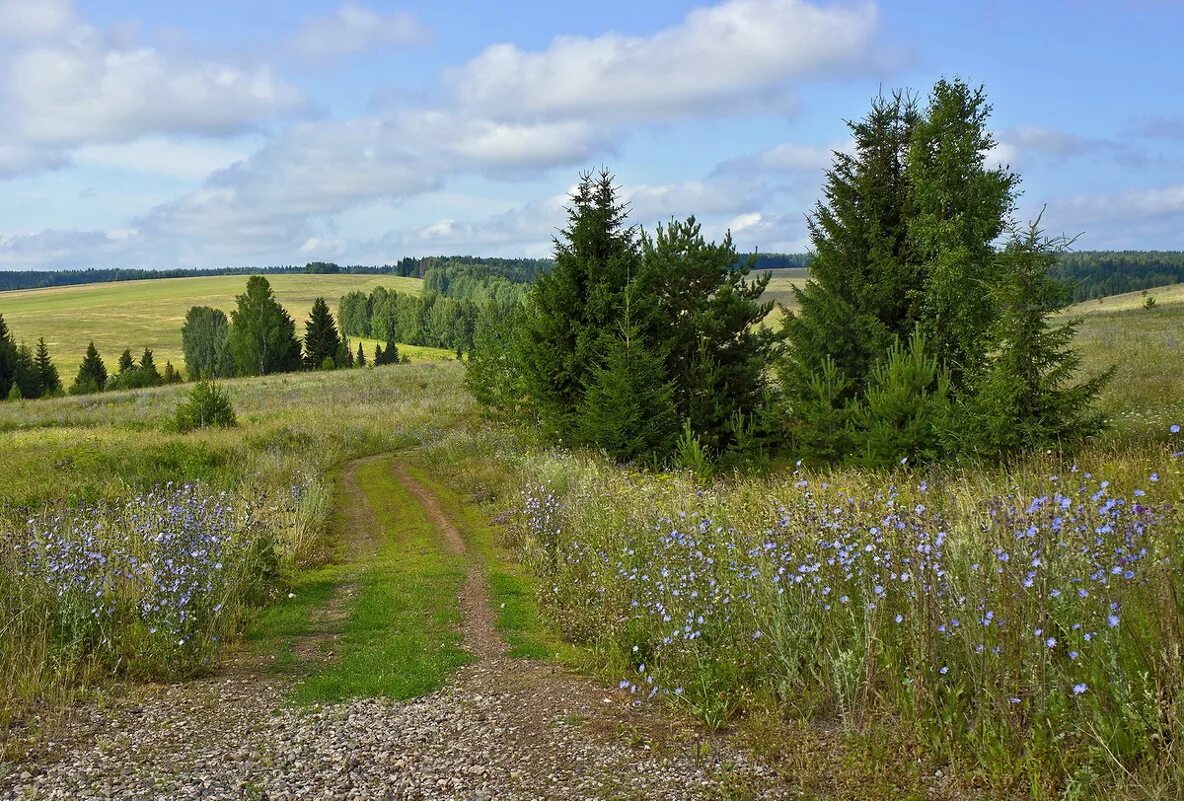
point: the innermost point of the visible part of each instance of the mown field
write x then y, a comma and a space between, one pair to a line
1016, 627
149, 314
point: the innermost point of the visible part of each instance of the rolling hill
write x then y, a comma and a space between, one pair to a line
140, 314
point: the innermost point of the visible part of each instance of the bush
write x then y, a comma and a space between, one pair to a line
208, 405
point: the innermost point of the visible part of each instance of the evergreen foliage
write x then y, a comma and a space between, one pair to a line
1027, 397
170, 374
7, 359
92, 373
208, 405
572, 311
628, 409
905, 413
262, 338
204, 341
126, 362
321, 341
48, 381
703, 315
361, 360
26, 381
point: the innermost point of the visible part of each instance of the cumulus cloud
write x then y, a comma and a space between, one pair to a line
789, 157
353, 28
717, 55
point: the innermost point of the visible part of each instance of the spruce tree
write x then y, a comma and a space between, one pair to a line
703, 315
149, 375
958, 208
126, 362
48, 381
863, 276
572, 311
1027, 397
26, 381
361, 360
391, 352
7, 359
92, 373
378, 355
170, 374
628, 408
262, 338
321, 340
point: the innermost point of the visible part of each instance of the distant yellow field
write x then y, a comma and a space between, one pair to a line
1173, 293
780, 289
139, 314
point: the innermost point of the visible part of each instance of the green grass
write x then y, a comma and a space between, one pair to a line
140, 314
401, 639
513, 591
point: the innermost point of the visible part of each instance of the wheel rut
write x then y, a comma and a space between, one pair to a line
502, 728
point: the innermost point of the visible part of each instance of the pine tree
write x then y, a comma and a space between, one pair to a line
321, 340
7, 359
572, 311
361, 360
378, 355
126, 362
262, 338
49, 383
92, 373
1027, 398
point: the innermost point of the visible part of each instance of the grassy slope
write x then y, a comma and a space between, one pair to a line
139, 314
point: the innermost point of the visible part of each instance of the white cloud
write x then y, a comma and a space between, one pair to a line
788, 157
353, 28
25, 20
160, 156
717, 55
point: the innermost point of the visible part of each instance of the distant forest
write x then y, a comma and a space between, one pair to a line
1090, 273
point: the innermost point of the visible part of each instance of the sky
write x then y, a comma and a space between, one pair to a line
242, 132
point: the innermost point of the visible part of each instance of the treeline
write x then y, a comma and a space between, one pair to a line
518, 270
916, 338
28, 373
458, 298
1100, 273
259, 338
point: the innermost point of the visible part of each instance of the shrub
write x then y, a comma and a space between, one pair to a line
208, 405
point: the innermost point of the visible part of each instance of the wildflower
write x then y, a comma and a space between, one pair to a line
1078, 689
1174, 428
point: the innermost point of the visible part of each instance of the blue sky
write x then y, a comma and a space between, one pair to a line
249, 132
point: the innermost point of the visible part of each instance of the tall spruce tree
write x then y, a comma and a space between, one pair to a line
1027, 397
7, 359
262, 337
361, 360
864, 281
571, 312
150, 375
701, 316
92, 373
126, 362
48, 381
321, 340
378, 355
959, 207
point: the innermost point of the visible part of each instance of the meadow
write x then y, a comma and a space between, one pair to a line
149, 314
1016, 626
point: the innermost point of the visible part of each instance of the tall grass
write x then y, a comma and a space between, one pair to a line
1030, 621
107, 568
